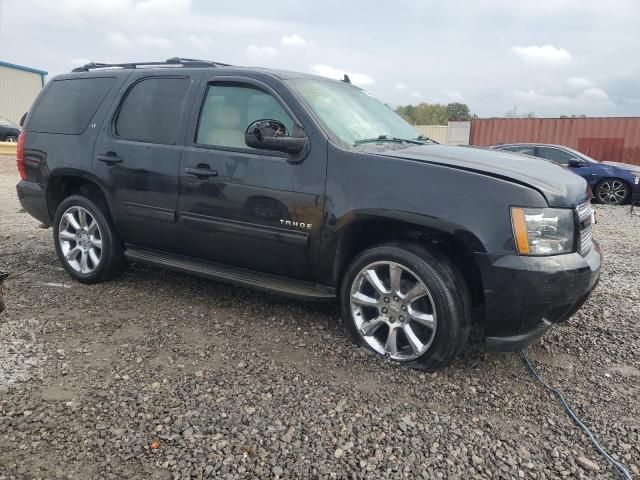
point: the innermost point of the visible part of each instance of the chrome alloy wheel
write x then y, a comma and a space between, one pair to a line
612, 192
393, 310
80, 240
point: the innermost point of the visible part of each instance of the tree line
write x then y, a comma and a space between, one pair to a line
435, 113
441, 114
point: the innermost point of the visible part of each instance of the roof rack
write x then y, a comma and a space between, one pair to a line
171, 62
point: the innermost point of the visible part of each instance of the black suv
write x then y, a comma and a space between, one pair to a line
308, 187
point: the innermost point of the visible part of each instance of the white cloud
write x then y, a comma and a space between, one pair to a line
579, 83
200, 42
161, 7
118, 8
559, 63
338, 74
416, 94
118, 39
293, 40
453, 95
258, 54
594, 94
77, 62
590, 100
543, 54
152, 41
532, 97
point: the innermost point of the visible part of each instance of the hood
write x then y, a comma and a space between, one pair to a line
624, 166
559, 186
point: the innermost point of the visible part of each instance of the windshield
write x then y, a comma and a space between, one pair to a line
350, 114
7, 123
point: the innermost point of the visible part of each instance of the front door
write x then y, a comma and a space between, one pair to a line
565, 158
137, 157
246, 207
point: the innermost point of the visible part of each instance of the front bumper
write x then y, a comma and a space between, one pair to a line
526, 296
33, 200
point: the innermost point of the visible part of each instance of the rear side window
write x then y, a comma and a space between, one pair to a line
152, 109
525, 150
68, 105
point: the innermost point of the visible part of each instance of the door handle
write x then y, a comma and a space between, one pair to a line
110, 158
201, 172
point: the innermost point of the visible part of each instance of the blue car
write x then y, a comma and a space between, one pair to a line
612, 183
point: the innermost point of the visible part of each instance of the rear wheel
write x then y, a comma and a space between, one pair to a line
86, 242
11, 139
612, 191
406, 304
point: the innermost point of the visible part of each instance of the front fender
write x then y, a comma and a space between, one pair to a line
468, 206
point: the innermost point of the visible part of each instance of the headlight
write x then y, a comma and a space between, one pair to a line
543, 231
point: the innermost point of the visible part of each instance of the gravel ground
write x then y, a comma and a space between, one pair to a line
162, 375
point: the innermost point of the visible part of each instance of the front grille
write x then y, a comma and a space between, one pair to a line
585, 216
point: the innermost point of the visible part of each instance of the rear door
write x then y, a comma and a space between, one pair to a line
137, 156
246, 207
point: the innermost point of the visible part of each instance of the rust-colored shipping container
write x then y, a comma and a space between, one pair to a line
615, 139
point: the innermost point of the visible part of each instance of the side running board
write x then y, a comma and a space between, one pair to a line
238, 276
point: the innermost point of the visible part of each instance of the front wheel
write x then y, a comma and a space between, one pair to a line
406, 304
11, 139
612, 191
86, 242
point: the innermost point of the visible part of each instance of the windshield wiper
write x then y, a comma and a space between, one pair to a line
424, 138
388, 138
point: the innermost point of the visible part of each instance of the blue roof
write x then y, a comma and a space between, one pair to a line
24, 69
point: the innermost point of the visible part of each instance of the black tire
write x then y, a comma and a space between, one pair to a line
612, 191
448, 292
11, 138
112, 260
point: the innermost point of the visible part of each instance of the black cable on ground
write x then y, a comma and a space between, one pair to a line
624, 473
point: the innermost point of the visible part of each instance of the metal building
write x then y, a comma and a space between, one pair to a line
19, 87
606, 138
455, 133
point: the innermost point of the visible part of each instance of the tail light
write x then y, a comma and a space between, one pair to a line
20, 155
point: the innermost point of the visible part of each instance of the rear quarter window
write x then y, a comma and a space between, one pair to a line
68, 105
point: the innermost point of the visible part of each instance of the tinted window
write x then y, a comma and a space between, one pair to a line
228, 110
523, 149
554, 154
152, 110
69, 105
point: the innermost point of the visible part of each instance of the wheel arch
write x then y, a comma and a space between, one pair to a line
9, 135
366, 230
64, 183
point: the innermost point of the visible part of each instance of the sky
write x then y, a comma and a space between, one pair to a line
548, 57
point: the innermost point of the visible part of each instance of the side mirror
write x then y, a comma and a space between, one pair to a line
574, 162
273, 135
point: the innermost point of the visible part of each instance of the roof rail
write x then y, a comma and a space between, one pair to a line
171, 62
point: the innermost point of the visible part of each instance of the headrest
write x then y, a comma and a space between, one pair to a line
225, 116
